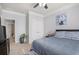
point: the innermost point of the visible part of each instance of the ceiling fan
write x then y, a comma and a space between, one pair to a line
41, 5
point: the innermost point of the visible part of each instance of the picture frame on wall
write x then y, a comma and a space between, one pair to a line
61, 19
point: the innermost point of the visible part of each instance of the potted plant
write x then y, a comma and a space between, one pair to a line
22, 37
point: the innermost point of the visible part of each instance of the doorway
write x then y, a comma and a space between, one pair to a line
10, 30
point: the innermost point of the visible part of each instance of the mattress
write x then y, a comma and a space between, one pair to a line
55, 46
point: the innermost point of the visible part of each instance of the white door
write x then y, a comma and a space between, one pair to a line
36, 28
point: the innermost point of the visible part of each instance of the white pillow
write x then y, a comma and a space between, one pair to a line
60, 34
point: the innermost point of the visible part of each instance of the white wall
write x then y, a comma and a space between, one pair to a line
0, 10
20, 22
72, 13
72, 18
49, 24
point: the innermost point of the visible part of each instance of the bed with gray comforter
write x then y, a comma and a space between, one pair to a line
56, 46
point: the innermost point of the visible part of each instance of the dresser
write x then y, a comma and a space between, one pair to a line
4, 47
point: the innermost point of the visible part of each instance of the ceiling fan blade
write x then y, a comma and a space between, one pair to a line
46, 7
35, 5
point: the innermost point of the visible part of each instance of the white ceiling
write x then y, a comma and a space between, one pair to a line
24, 7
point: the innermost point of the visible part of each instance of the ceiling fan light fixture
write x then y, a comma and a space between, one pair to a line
42, 4
46, 7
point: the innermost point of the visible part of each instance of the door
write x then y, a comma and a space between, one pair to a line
35, 28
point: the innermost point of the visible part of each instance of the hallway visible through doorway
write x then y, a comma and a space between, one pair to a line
10, 30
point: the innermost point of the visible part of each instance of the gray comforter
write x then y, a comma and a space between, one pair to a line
55, 46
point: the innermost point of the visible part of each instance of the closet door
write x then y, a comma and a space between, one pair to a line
35, 28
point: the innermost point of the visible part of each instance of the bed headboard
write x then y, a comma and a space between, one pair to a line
70, 34
67, 30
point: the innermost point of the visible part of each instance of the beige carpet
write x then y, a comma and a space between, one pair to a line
19, 49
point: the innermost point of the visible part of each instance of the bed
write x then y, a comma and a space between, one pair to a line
62, 45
